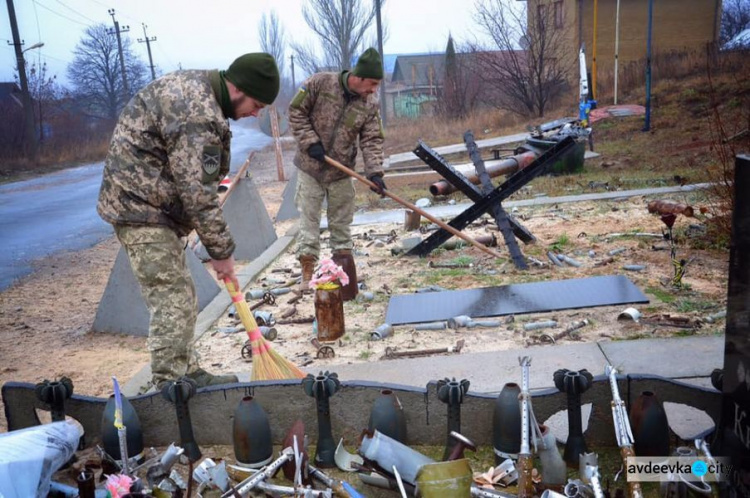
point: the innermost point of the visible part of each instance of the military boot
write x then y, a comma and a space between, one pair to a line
345, 259
307, 261
203, 378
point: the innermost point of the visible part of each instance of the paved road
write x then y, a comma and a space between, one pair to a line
57, 212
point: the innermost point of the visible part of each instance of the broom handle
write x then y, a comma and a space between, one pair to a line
238, 300
414, 208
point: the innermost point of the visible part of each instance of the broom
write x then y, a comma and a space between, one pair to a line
267, 363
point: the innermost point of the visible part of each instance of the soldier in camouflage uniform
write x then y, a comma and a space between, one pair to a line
168, 152
328, 115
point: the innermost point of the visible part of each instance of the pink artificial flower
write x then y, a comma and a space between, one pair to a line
328, 273
118, 485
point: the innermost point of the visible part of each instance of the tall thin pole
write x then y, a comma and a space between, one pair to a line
382, 58
593, 52
617, 43
148, 41
117, 32
294, 83
30, 143
647, 123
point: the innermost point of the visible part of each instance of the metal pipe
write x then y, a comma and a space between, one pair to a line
494, 169
383, 331
244, 488
569, 260
465, 321
539, 325
433, 326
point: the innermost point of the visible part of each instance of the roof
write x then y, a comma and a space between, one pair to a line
419, 69
9, 91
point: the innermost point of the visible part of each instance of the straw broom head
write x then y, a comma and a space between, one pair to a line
268, 364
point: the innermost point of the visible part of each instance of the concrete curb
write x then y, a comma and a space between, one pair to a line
213, 310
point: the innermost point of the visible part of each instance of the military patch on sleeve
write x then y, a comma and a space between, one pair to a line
300, 97
211, 163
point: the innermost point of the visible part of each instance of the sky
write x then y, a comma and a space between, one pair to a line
207, 34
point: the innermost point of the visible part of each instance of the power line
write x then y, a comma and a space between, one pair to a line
61, 15
73, 10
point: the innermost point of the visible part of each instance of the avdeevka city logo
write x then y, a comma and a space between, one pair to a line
699, 468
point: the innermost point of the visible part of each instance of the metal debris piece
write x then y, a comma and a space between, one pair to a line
634, 267
345, 460
324, 351
617, 251
536, 262
553, 257
267, 298
296, 297
545, 324
288, 312
570, 330
431, 288
605, 262
667, 320
466, 321
383, 331
264, 318
568, 260
629, 314
303, 319
715, 316
390, 353
442, 325
268, 333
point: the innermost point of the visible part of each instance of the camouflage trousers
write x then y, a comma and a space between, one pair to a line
309, 198
157, 257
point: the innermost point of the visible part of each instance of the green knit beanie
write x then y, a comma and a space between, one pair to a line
369, 65
256, 75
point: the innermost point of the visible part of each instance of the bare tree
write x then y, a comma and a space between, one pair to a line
527, 64
271, 34
341, 27
460, 89
44, 92
734, 19
96, 75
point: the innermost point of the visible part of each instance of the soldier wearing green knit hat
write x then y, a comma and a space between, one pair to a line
168, 153
334, 114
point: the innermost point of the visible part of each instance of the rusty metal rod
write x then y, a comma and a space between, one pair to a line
390, 353
414, 208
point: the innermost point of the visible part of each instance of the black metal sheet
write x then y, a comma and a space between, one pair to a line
511, 299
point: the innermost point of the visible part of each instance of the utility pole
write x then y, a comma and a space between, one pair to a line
117, 32
148, 41
30, 143
382, 58
294, 83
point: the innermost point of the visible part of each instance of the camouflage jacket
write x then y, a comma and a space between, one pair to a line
324, 111
168, 152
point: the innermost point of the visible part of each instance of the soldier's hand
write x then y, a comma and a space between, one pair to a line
225, 271
316, 151
379, 187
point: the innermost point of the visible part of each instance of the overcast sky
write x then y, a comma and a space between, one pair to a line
207, 34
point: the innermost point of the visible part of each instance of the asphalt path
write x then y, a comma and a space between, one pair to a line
57, 212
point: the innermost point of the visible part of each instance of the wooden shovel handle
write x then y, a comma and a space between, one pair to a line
414, 208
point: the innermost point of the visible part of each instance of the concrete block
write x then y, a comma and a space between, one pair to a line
288, 208
248, 221
122, 309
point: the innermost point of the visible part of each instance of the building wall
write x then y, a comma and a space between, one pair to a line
678, 26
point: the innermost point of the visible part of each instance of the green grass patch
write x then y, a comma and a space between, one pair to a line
662, 295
